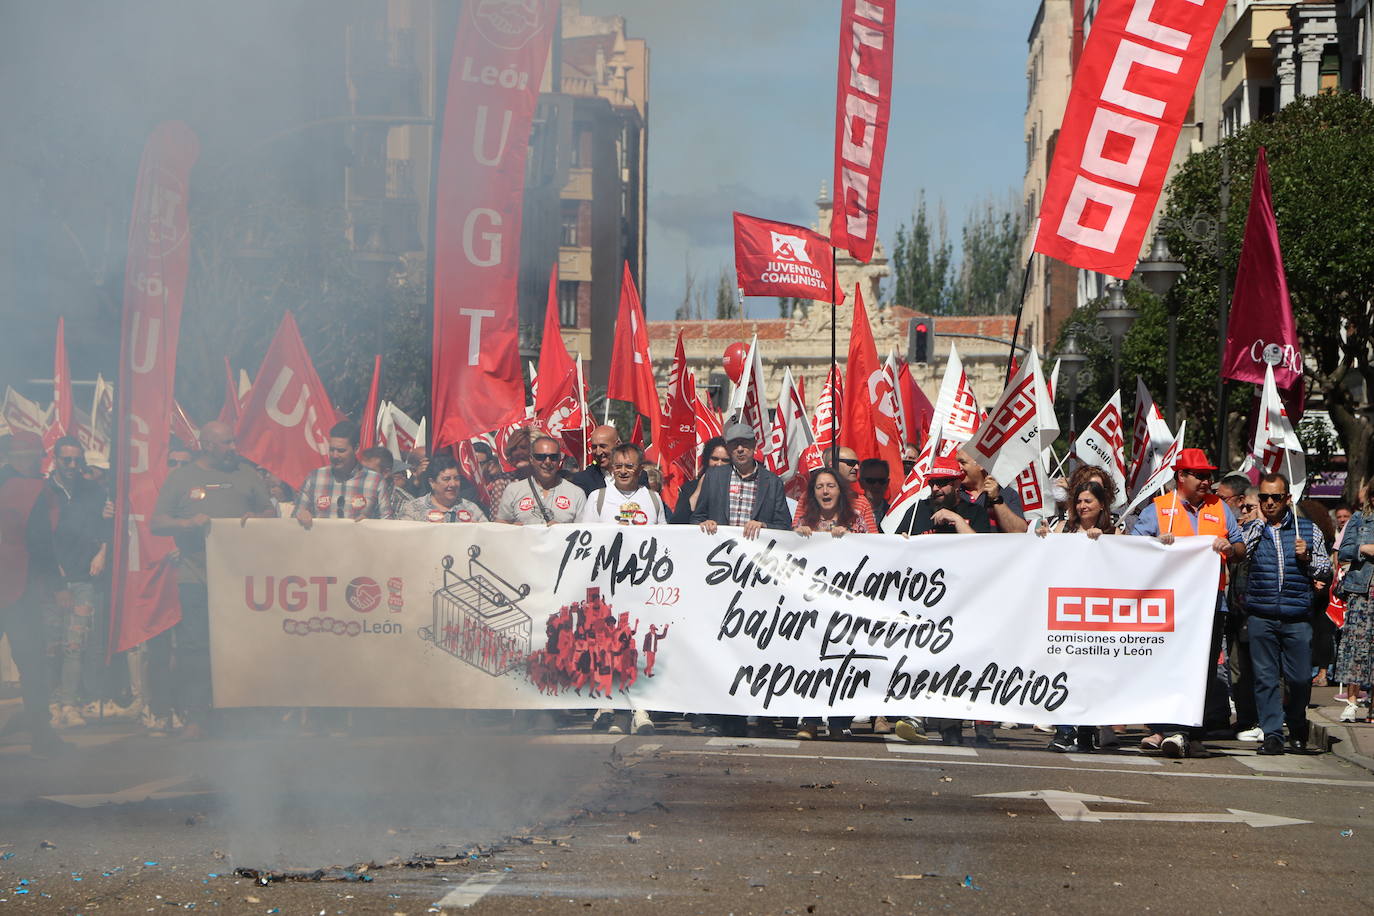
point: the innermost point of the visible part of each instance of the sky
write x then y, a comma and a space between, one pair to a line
742, 117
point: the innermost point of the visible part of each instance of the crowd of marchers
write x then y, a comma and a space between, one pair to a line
1281, 566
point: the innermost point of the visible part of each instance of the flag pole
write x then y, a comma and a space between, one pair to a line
1020, 308
834, 369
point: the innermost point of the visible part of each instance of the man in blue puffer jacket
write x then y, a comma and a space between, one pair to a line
1288, 561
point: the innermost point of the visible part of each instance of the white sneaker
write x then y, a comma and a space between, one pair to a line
1175, 746
55, 715
1251, 734
1351, 713
71, 718
641, 724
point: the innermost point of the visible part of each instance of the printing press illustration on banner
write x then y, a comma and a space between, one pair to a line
477, 617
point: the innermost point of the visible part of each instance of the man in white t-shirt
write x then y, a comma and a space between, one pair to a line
626, 502
544, 498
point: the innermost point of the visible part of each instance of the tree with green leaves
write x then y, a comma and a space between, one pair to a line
727, 297
990, 272
1321, 166
921, 261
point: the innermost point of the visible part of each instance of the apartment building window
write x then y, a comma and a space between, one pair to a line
581, 146
567, 228
567, 303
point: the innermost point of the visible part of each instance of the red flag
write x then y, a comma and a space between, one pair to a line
708, 421
679, 428
919, 410
143, 593
632, 370
229, 412
1132, 89
60, 420
369, 421
285, 424
1261, 330
637, 433
493, 85
870, 408
780, 259
558, 402
862, 102
472, 469
829, 415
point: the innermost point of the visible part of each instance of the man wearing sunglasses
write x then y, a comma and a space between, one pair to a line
1193, 509
1287, 563
544, 498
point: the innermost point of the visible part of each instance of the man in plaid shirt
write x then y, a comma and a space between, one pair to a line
344, 488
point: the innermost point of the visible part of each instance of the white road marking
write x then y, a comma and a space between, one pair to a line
936, 750
1073, 807
471, 890
752, 742
1289, 763
1140, 761
131, 795
582, 738
1240, 777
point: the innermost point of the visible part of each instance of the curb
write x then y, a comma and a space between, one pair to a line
1339, 740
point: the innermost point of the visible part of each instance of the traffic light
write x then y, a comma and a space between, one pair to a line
719, 389
921, 342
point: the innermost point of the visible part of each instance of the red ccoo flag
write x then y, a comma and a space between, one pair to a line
1261, 330
870, 406
863, 101
632, 370
1131, 91
369, 423
780, 259
285, 424
677, 447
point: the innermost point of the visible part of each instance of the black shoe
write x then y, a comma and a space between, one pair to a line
1062, 744
952, 736
1272, 746
1298, 746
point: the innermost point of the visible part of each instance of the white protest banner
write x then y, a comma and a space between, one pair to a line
409, 614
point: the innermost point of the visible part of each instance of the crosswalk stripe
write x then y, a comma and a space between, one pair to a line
471, 890
752, 742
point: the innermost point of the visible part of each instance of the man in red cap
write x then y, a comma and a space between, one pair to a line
28, 578
944, 512
1192, 509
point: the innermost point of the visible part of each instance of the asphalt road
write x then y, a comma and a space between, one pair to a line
467, 817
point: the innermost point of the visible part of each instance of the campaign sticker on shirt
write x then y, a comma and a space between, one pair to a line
464, 515
639, 518
527, 504
1210, 517
359, 502
197, 493
322, 503
734, 490
562, 502
434, 515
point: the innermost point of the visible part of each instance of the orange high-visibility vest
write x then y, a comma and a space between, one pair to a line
1211, 521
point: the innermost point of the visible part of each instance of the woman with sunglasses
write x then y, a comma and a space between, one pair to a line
1355, 657
442, 503
714, 454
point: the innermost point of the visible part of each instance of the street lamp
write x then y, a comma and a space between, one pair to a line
1159, 272
1117, 318
1071, 363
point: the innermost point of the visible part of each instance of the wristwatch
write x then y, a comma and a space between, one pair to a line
995, 501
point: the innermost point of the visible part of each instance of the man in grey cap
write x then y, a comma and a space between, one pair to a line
742, 494
745, 495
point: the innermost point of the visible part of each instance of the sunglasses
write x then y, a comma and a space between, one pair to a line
67, 459
945, 482
875, 481
908, 463
1200, 475
544, 458
1272, 497
850, 462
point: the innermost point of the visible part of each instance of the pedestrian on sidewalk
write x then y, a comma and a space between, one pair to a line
1355, 658
1286, 561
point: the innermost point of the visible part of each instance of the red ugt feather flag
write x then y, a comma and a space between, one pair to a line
60, 419
369, 423
677, 447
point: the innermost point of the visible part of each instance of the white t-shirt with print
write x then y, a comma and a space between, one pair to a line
638, 508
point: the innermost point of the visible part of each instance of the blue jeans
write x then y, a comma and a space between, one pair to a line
1281, 649
74, 628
